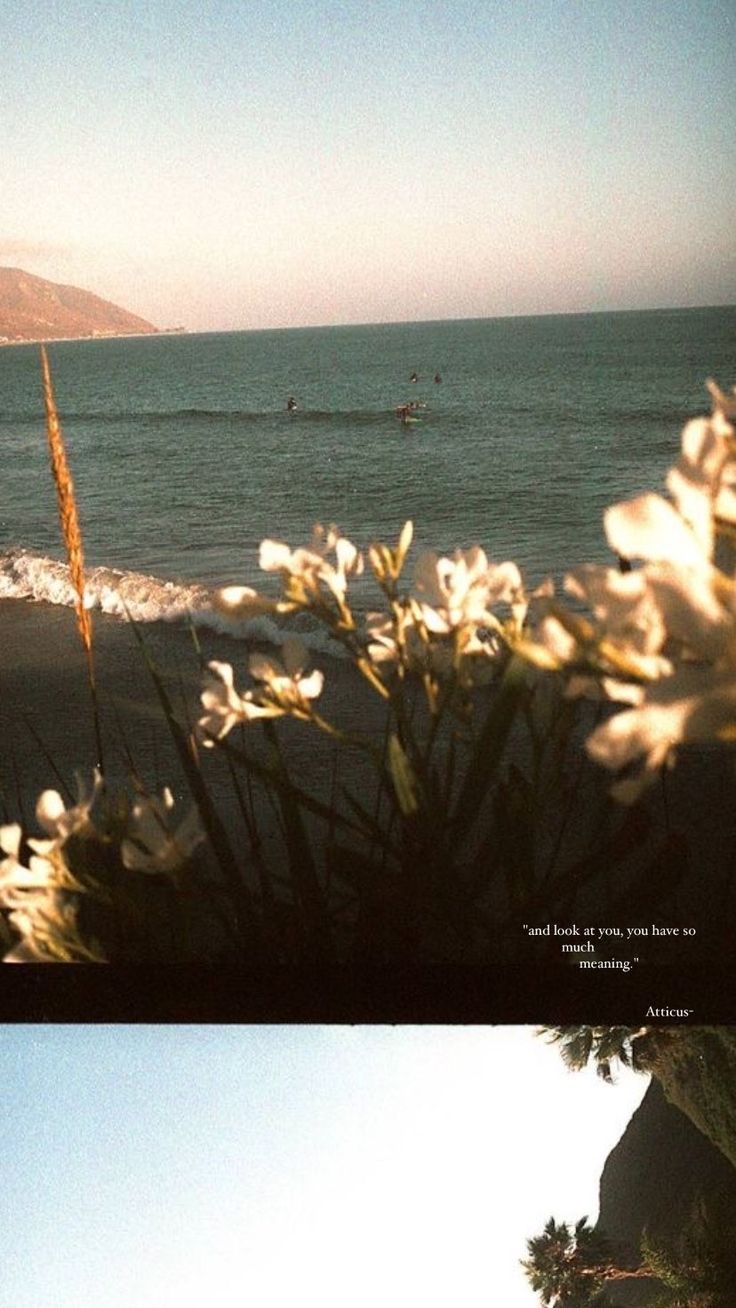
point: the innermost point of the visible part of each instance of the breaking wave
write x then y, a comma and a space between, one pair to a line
152, 417
33, 577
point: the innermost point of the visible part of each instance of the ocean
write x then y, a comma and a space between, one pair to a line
184, 455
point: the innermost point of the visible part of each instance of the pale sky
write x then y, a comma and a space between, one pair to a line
252, 163
264, 1167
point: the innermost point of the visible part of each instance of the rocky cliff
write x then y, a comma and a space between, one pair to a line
651, 1179
32, 309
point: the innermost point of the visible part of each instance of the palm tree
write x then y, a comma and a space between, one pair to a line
696, 1067
568, 1266
606, 1045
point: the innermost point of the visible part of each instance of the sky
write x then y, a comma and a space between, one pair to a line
168, 1167
239, 164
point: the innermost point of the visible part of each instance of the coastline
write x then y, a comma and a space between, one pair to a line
97, 336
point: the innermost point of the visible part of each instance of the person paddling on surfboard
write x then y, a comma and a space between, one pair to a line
407, 412
291, 404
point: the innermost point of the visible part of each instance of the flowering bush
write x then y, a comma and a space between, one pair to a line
450, 845
663, 636
79, 862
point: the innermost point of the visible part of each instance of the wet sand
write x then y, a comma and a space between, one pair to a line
46, 720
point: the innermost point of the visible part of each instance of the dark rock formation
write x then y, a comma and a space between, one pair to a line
651, 1180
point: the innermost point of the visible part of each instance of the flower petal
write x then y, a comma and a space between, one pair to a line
10, 838
310, 687
274, 554
649, 528
49, 809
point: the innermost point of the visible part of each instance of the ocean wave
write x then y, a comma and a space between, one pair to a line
133, 415
349, 417
122, 594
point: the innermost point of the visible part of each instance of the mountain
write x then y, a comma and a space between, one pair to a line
32, 309
653, 1176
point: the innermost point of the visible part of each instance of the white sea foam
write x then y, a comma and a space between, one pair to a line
27, 576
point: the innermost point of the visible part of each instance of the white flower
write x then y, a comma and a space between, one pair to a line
381, 632
458, 591
623, 604
624, 641
697, 607
151, 845
349, 563
678, 604
703, 489
695, 481
244, 602
43, 873
724, 405
10, 839
275, 556
649, 528
59, 822
283, 690
35, 920
387, 563
310, 566
398, 639
683, 598
549, 645
225, 707
15, 879
42, 912
284, 684
703, 483
696, 704
47, 925
471, 659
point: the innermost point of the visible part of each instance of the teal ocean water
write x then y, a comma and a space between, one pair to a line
184, 456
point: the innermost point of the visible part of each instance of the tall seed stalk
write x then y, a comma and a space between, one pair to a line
70, 530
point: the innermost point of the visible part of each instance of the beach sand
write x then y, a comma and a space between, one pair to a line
47, 724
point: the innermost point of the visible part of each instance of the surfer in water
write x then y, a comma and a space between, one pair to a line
406, 412
437, 378
414, 377
291, 405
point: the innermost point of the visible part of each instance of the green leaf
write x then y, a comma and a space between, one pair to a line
514, 834
490, 747
272, 775
371, 828
302, 866
240, 895
403, 776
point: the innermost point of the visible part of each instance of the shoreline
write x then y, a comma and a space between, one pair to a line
103, 336
45, 706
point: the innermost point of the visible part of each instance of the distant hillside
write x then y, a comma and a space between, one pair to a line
32, 309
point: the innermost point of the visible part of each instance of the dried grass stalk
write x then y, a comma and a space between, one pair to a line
70, 530
67, 503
